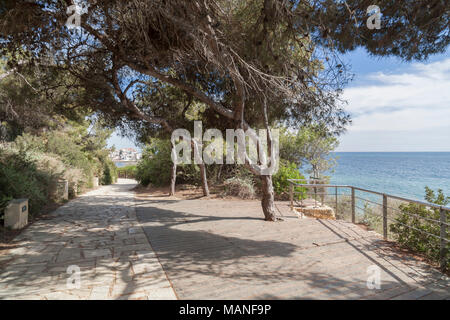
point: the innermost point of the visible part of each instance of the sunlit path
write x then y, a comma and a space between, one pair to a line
97, 233
217, 249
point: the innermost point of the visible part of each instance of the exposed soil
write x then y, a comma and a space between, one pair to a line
397, 248
184, 192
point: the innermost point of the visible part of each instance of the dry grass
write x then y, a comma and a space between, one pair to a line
184, 192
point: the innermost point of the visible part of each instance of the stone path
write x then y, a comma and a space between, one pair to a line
218, 249
97, 233
208, 249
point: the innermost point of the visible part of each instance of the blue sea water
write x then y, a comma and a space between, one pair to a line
120, 164
398, 173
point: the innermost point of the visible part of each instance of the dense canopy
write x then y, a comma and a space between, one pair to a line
250, 63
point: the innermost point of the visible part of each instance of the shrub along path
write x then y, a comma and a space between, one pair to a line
97, 233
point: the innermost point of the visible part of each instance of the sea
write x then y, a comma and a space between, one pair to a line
403, 174
120, 164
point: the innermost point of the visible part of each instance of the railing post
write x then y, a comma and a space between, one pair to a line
353, 205
336, 194
385, 222
443, 251
291, 195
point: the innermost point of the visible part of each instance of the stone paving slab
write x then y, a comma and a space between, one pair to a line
97, 232
219, 249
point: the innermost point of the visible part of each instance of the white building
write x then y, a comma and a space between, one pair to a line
125, 154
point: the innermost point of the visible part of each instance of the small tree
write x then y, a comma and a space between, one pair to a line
316, 145
411, 225
311, 145
287, 170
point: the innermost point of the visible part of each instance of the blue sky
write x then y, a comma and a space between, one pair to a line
395, 105
398, 106
120, 142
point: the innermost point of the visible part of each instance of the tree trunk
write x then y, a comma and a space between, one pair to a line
220, 172
267, 201
197, 153
173, 179
204, 180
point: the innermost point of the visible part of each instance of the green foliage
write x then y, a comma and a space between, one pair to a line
290, 149
415, 215
127, 172
311, 145
31, 165
372, 218
20, 178
109, 173
77, 147
281, 185
34, 98
188, 174
439, 198
155, 165
4, 200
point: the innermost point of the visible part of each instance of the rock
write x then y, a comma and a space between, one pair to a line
316, 210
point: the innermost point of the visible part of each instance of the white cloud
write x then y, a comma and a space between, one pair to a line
409, 119
411, 101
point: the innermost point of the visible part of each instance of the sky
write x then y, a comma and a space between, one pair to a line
120, 142
395, 105
398, 106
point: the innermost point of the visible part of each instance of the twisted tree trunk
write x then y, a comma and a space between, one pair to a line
197, 154
267, 201
173, 179
204, 179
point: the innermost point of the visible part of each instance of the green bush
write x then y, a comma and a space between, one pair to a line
4, 200
109, 173
29, 143
372, 217
190, 174
31, 165
155, 165
78, 146
108, 170
127, 171
20, 178
65, 145
281, 185
412, 215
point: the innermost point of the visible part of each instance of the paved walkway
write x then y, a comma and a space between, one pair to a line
216, 249
97, 233
208, 249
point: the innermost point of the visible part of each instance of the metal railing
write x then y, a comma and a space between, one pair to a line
318, 188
